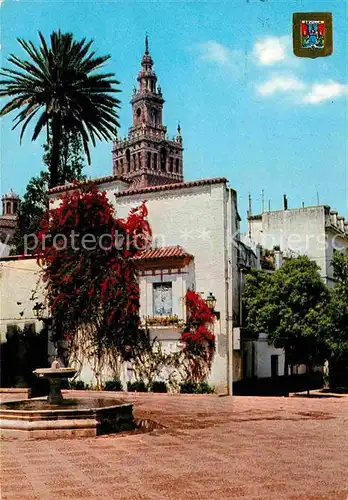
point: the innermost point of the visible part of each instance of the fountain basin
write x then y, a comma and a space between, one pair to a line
80, 417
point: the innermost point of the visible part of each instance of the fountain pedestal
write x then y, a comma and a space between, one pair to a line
55, 374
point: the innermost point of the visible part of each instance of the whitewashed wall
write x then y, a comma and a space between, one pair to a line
195, 218
18, 279
301, 231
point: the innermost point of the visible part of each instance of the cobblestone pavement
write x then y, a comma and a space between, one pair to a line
212, 448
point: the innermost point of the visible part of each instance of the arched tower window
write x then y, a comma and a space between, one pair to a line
138, 116
177, 165
155, 161
171, 164
163, 159
148, 166
8, 207
154, 116
128, 160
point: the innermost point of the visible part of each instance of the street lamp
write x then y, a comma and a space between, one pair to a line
211, 303
38, 310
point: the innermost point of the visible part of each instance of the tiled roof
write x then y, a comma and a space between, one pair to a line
176, 252
168, 187
7, 221
98, 180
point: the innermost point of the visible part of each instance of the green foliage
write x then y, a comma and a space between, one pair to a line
71, 160
78, 385
158, 386
59, 80
204, 388
113, 385
137, 386
288, 305
334, 323
31, 209
35, 200
189, 387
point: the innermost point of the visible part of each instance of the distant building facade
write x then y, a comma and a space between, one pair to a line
314, 231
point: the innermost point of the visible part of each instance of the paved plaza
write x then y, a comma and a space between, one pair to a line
211, 448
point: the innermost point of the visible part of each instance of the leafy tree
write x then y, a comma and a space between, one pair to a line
35, 200
31, 209
60, 80
334, 323
71, 160
288, 305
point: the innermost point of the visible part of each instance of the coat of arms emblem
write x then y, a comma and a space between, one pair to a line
312, 34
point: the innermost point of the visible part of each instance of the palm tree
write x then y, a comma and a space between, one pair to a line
60, 80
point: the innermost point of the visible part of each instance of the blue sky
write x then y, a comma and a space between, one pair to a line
249, 109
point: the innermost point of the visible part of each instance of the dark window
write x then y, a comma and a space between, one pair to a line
163, 159
177, 165
148, 160
155, 161
274, 365
154, 116
29, 328
171, 164
128, 159
11, 330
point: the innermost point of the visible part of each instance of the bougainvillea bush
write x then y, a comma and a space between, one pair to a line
197, 338
91, 281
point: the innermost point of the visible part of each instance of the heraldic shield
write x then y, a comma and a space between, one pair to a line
312, 34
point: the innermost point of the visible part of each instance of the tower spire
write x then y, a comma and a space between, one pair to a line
147, 157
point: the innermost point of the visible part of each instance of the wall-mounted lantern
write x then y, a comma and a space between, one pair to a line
211, 303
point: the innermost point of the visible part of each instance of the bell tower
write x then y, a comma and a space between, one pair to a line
147, 156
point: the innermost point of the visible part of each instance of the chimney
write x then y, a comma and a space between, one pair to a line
333, 216
285, 199
340, 221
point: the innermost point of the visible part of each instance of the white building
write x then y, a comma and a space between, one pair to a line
193, 224
313, 231
195, 229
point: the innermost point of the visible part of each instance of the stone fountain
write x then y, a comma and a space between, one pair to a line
56, 417
55, 374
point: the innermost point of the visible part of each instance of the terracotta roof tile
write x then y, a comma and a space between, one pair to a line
8, 222
168, 187
163, 253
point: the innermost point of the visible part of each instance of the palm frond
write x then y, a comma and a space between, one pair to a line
60, 77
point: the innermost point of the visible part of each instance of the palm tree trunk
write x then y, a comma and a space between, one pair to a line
56, 128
